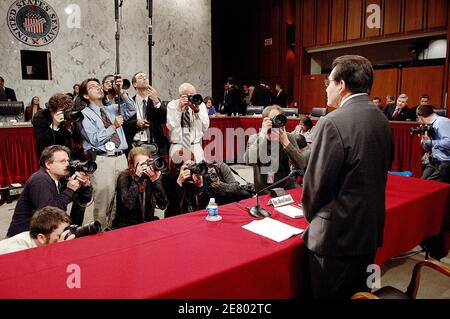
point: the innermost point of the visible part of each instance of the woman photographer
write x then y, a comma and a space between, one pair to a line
139, 190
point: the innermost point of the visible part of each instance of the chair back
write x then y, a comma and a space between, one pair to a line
318, 111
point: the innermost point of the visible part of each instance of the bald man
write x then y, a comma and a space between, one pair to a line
187, 121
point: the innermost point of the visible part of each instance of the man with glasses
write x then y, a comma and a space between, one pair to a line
104, 138
145, 127
344, 185
50, 186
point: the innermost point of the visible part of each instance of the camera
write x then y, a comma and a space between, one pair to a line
72, 115
279, 121
85, 230
213, 177
195, 99
77, 166
157, 164
420, 129
198, 168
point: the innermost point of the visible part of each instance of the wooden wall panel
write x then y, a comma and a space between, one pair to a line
372, 32
313, 92
423, 80
354, 18
384, 83
392, 17
308, 14
414, 15
437, 14
322, 22
337, 20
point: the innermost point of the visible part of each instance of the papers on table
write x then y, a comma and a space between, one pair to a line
291, 211
272, 229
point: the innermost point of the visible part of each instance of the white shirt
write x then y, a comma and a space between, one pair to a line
350, 97
140, 115
18, 242
199, 123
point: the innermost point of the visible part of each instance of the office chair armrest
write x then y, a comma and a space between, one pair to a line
364, 295
413, 286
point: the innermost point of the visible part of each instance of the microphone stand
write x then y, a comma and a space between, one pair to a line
150, 39
258, 212
117, 5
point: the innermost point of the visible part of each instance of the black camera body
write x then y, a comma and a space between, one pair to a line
279, 121
421, 129
198, 168
85, 230
77, 166
157, 164
73, 115
195, 99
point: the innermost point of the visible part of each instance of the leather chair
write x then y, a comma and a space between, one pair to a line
252, 109
389, 292
290, 111
441, 112
318, 111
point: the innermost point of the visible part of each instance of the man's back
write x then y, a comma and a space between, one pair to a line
346, 178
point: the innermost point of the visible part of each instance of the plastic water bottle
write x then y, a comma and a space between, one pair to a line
212, 211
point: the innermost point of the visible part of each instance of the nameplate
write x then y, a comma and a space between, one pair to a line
281, 200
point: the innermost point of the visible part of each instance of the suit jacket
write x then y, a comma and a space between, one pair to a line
405, 113
156, 117
261, 96
281, 99
233, 100
9, 94
344, 184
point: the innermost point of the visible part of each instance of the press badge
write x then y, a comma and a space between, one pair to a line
110, 148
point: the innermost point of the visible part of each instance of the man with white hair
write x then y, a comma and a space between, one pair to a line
399, 111
187, 121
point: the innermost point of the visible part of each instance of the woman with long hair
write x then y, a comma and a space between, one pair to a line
32, 108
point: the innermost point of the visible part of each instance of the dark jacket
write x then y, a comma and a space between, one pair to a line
233, 100
281, 99
8, 94
344, 185
157, 117
404, 115
130, 198
40, 191
45, 135
260, 96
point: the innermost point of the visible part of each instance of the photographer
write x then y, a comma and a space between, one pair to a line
187, 121
270, 151
49, 186
139, 190
437, 140
47, 226
49, 125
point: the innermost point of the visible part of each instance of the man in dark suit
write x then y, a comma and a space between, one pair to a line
281, 96
344, 185
6, 94
145, 126
400, 110
261, 95
233, 99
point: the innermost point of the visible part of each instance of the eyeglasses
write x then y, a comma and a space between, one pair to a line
327, 82
95, 87
62, 161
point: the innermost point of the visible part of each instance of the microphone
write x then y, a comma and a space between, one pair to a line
258, 212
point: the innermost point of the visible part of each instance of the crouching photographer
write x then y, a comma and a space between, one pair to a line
47, 226
139, 189
57, 183
435, 138
193, 184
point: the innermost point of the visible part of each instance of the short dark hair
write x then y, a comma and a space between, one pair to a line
356, 71
47, 153
307, 121
425, 96
376, 98
107, 76
2, 79
83, 89
424, 110
46, 220
231, 80
59, 100
207, 98
133, 79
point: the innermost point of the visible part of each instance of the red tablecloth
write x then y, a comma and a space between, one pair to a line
188, 257
17, 155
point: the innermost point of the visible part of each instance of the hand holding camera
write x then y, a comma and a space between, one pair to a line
185, 173
142, 123
73, 183
58, 117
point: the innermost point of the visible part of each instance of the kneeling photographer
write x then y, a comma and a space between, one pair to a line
57, 183
435, 138
139, 189
193, 184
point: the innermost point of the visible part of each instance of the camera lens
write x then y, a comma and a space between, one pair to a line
195, 99
279, 121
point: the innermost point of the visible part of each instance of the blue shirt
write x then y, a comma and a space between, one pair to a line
440, 142
94, 133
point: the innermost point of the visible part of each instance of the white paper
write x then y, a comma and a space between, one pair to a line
291, 211
272, 229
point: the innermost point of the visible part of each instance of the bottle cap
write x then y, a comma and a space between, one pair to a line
212, 200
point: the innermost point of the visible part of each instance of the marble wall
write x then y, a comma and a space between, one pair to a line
182, 50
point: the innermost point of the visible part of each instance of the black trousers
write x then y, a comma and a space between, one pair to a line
437, 172
328, 277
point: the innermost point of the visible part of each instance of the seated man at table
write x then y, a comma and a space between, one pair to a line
270, 152
47, 226
399, 111
50, 186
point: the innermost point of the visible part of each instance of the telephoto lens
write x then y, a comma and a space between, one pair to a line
157, 164
198, 168
85, 230
279, 121
87, 167
195, 99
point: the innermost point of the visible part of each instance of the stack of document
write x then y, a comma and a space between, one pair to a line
291, 211
272, 229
